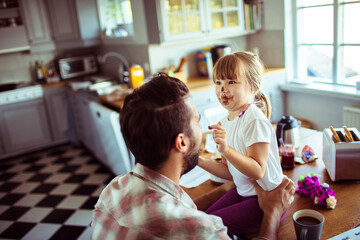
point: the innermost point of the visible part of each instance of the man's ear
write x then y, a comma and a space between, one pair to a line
181, 143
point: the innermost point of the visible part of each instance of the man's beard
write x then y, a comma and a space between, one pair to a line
191, 160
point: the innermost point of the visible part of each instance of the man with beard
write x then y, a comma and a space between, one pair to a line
160, 125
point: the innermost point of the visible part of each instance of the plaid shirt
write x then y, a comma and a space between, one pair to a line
144, 204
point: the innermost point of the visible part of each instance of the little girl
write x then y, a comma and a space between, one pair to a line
246, 141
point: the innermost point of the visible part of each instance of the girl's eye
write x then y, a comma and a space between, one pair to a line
232, 82
218, 83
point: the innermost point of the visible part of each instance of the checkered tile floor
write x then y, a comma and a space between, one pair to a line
50, 194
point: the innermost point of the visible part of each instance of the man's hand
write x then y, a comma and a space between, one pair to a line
278, 199
274, 204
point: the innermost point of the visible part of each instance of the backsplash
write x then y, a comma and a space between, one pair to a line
171, 54
19, 67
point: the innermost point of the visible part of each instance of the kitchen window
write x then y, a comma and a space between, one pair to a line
324, 43
116, 18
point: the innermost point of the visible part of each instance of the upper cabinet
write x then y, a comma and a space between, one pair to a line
74, 23
182, 19
57, 25
47, 25
37, 25
12, 30
164, 21
203, 19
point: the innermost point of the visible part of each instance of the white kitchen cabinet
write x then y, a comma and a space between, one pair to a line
12, 31
82, 121
73, 116
24, 126
57, 110
74, 23
86, 125
37, 25
199, 19
181, 20
57, 25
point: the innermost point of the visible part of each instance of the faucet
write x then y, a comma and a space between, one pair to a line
123, 73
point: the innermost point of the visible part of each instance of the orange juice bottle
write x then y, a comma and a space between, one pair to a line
136, 76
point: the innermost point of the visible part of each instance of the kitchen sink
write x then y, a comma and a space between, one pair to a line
108, 88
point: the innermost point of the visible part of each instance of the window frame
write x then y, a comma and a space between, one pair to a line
292, 45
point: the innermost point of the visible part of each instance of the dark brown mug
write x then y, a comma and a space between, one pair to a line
308, 224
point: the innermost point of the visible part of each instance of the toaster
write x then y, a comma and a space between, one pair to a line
342, 159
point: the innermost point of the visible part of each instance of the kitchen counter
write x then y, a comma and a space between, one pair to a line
195, 84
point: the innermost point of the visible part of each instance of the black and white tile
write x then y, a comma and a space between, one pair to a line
50, 194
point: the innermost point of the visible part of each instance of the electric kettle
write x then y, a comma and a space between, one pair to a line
287, 131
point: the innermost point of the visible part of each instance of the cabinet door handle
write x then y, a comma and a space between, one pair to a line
98, 114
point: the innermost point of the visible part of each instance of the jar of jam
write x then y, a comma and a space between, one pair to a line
287, 154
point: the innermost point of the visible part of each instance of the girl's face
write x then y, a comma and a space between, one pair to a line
233, 95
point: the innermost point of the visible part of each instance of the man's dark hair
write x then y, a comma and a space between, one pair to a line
151, 118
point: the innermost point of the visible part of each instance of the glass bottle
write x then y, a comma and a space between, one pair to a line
39, 72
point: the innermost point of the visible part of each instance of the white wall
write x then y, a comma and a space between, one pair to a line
321, 110
270, 41
270, 45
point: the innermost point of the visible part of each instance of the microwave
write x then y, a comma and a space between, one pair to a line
77, 66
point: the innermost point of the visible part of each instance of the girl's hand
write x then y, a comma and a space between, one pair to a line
220, 137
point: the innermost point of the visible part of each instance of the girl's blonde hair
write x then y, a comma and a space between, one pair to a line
240, 65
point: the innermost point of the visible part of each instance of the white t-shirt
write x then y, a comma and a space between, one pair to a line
253, 127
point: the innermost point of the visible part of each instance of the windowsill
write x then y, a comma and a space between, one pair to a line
322, 89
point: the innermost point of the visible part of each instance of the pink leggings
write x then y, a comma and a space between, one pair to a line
241, 215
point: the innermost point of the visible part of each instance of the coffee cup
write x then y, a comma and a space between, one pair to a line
308, 224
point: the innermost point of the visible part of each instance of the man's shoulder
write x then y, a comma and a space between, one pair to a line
178, 221
147, 209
